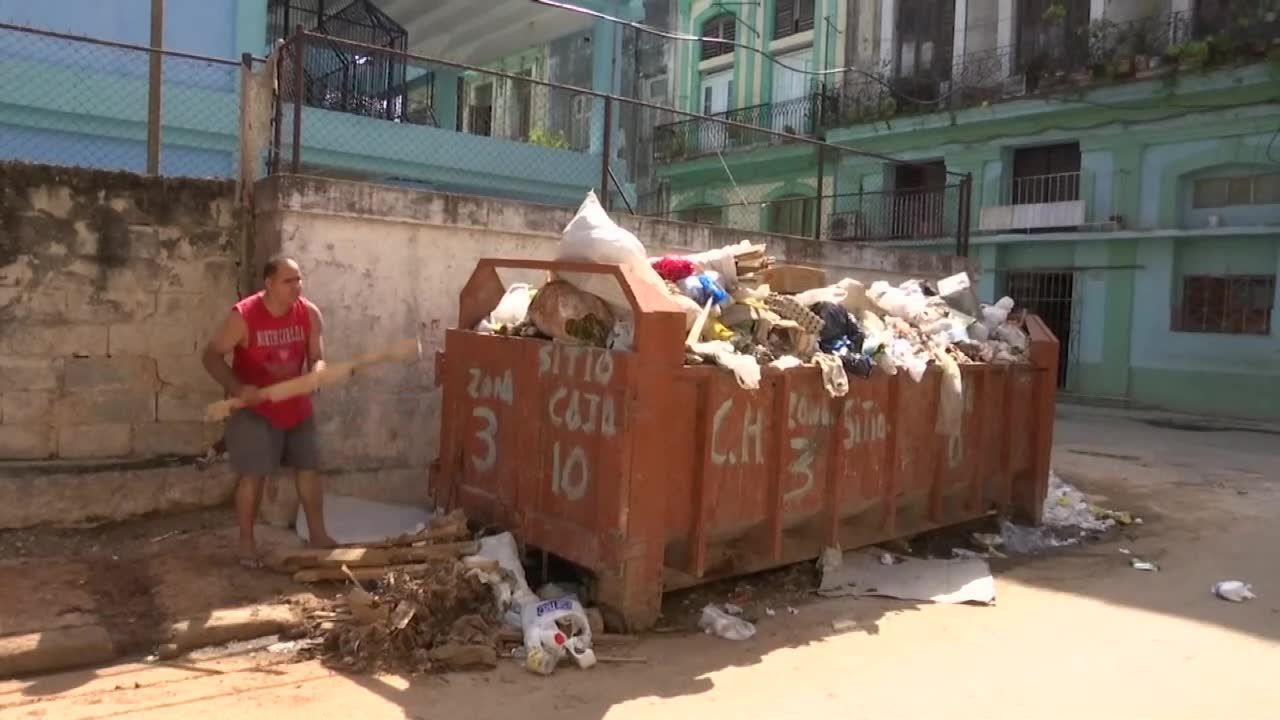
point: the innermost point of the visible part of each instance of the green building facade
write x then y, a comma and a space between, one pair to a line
1125, 166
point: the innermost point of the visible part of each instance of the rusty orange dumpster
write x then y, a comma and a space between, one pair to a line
656, 476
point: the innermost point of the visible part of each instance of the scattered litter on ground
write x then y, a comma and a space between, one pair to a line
861, 573
1125, 551
770, 612
844, 625
1145, 565
988, 540
716, 621
732, 609
1234, 590
1068, 517
792, 611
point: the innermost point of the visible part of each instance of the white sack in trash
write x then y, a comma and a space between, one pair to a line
593, 237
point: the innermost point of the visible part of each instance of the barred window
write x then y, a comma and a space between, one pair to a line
1233, 304
720, 27
791, 17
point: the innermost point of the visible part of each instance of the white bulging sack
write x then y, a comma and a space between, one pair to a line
593, 237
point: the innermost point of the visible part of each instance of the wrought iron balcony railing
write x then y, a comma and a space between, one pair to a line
703, 136
1101, 51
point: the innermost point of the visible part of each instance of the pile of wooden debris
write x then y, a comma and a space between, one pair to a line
417, 603
423, 602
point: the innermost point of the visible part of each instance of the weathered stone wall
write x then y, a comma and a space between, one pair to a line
110, 283
387, 263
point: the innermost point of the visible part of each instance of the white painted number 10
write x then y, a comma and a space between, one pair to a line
569, 475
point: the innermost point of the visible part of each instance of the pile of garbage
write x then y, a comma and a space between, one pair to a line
436, 599
743, 313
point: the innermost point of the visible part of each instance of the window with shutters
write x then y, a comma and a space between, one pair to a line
1221, 192
791, 17
720, 27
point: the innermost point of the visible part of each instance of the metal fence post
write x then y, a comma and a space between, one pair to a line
247, 154
964, 215
154, 87
606, 148
817, 209
299, 90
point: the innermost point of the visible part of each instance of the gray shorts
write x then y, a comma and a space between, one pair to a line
258, 449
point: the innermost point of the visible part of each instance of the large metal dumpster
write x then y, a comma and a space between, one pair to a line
656, 476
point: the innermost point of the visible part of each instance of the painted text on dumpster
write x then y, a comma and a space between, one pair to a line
581, 405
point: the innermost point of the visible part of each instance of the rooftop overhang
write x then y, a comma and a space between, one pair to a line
477, 32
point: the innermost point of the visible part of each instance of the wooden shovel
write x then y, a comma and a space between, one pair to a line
310, 382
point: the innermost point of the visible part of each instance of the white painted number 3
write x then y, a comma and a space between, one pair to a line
485, 462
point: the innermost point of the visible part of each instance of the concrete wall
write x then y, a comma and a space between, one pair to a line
386, 263
109, 284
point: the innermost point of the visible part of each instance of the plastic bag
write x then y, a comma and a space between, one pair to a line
512, 309
718, 622
1012, 334
592, 236
511, 589
950, 398
566, 313
855, 300
745, 368
1234, 590
703, 287
833, 294
899, 303
993, 316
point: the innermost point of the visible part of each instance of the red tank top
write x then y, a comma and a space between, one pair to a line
275, 350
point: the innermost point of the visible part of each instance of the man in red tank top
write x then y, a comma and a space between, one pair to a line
273, 335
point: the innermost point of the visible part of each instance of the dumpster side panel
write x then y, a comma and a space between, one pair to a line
811, 416
487, 407
723, 492
580, 426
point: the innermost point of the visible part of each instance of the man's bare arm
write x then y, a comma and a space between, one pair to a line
315, 343
232, 333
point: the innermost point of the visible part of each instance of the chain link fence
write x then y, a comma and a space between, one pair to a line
347, 109
331, 107
82, 102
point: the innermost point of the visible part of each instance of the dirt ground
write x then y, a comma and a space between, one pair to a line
1076, 633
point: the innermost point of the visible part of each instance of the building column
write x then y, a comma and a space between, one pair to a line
1005, 35
445, 98
888, 22
604, 78
959, 45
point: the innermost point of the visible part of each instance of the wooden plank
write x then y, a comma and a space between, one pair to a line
290, 560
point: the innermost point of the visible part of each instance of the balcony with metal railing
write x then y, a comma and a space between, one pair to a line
1102, 51
706, 136
1038, 202
927, 213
